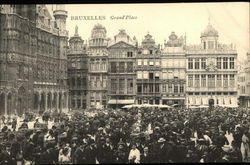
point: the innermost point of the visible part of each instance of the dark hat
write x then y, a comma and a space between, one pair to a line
121, 143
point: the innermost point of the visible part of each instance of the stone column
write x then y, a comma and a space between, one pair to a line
200, 79
57, 101
46, 101
215, 80
67, 102
228, 80
126, 86
81, 99
39, 102
5, 104
207, 81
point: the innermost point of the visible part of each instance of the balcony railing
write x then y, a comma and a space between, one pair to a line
208, 89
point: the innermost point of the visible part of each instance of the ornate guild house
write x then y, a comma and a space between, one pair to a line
148, 68
77, 72
121, 75
173, 71
211, 71
98, 70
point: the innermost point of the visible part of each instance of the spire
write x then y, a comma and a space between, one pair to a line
76, 30
209, 19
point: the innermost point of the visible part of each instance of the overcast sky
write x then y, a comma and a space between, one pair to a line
231, 20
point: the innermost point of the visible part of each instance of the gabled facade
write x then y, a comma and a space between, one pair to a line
148, 70
122, 51
211, 71
173, 71
98, 67
77, 72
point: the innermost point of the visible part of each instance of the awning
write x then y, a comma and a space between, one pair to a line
121, 102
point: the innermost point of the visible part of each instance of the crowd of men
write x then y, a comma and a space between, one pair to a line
140, 135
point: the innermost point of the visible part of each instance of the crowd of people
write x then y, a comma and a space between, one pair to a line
139, 135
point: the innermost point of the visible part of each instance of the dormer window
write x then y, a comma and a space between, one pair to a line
129, 54
210, 45
150, 51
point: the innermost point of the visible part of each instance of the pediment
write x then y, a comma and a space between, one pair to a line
121, 44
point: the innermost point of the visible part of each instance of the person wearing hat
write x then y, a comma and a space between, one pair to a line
79, 155
134, 155
120, 153
13, 124
90, 151
103, 151
6, 157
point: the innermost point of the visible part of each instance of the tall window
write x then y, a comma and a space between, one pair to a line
130, 86
139, 88
139, 75
104, 81
129, 54
121, 86
98, 82
210, 44
145, 88
197, 81
212, 81
197, 63
203, 80
113, 86
139, 61
113, 67
164, 89
170, 88
219, 82
190, 63
219, 62
121, 67
145, 62
130, 67
231, 80
190, 80
151, 75
157, 88
225, 80
151, 88
175, 88
203, 63
231, 63
181, 88
225, 64
209, 80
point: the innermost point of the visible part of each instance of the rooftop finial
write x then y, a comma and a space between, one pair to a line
209, 20
76, 30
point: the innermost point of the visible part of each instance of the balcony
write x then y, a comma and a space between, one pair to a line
7, 84
211, 89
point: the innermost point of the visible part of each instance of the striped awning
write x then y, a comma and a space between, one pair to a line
121, 102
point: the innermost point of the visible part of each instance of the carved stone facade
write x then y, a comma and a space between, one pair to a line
77, 72
211, 71
244, 82
98, 67
173, 66
148, 69
122, 51
33, 74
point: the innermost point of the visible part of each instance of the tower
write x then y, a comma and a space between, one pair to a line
60, 15
209, 38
